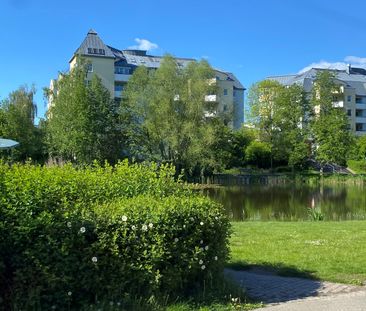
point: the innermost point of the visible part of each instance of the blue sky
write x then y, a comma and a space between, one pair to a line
251, 38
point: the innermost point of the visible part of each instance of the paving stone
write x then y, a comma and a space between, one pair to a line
270, 288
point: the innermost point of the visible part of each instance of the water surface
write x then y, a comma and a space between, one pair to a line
291, 201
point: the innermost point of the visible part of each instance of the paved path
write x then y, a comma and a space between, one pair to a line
299, 294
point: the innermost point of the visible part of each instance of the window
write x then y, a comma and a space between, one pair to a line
348, 126
225, 108
118, 88
358, 100
89, 67
225, 91
122, 70
359, 113
349, 98
96, 51
349, 112
359, 127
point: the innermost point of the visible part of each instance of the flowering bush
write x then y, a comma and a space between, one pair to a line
69, 237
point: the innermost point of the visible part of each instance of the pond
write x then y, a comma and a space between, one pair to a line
291, 202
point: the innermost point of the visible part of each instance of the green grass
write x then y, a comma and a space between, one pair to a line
220, 295
333, 251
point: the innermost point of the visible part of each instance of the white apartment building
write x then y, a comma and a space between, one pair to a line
115, 67
351, 97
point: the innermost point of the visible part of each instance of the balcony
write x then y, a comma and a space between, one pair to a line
361, 120
121, 77
361, 106
338, 104
118, 94
211, 98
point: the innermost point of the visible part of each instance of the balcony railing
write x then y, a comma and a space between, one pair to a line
118, 94
210, 98
338, 104
121, 77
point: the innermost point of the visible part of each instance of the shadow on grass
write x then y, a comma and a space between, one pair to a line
273, 283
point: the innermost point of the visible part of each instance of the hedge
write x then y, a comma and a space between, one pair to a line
70, 237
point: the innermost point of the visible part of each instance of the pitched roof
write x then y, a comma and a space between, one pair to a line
93, 46
134, 57
356, 78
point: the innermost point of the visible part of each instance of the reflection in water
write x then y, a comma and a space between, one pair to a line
291, 202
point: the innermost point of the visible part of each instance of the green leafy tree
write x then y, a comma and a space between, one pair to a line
258, 153
177, 124
17, 115
278, 112
83, 120
292, 110
361, 148
329, 124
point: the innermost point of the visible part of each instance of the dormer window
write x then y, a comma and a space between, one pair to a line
96, 51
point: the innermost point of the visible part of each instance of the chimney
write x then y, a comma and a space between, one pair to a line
348, 70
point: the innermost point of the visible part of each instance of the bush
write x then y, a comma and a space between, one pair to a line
258, 153
69, 237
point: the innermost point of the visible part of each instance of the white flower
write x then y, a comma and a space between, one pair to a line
206, 247
184, 226
82, 229
118, 303
111, 303
201, 249
69, 293
200, 262
176, 240
69, 224
133, 227
201, 223
215, 258
94, 259
144, 228
124, 218
201, 241
151, 225
216, 218
203, 267
191, 218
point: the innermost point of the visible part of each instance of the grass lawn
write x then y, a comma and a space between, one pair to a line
332, 251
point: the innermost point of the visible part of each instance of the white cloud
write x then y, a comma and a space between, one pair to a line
143, 44
354, 61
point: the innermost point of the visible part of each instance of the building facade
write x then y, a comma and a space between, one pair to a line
115, 67
351, 96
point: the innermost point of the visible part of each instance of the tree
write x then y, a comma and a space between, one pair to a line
329, 124
17, 115
361, 146
258, 153
83, 120
177, 123
279, 112
290, 118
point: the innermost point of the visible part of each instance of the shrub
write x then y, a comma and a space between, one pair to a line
258, 153
71, 237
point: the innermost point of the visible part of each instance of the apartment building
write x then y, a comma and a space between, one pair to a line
115, 67
351, 96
